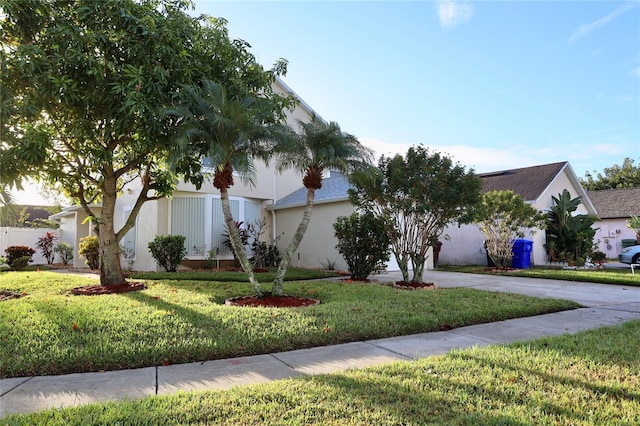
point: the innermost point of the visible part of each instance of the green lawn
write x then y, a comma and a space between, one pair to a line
604, 276
50, 331
591, 378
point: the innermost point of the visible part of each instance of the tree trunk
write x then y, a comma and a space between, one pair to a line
238, 248
110, 268
403, 264
293, 245
418, 268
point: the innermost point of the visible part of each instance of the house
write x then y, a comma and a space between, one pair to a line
615, 207
278, 200
537, 185
193, 213
318, 247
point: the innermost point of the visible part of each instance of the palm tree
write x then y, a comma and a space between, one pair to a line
8, 210
319, 146
232, 133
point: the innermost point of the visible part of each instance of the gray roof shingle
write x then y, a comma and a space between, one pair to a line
528, 182
333, 188
616, 203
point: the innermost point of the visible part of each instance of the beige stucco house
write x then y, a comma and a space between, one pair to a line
196, 214
536, 185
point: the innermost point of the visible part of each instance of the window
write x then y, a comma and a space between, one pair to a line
187, 219
201, 221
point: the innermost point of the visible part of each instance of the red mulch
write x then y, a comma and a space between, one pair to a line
6, 295
272, 301
415, 286
95, 290
497, 269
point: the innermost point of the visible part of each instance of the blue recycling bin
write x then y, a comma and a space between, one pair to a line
522, 253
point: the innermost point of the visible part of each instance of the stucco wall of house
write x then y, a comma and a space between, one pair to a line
319, 243
609, 236
561, 182
269, 185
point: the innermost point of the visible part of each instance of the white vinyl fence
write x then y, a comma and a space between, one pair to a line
24, 237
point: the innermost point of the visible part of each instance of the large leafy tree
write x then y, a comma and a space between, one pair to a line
232, 133
418, 196
318, 147
615, 177
569, 235
83, 85
503, 216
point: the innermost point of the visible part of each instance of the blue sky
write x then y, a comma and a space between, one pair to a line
494, 84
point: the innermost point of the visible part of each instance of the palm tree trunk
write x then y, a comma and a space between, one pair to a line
238, 248
293, 245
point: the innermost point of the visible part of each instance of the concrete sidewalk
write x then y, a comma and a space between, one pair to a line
605, 305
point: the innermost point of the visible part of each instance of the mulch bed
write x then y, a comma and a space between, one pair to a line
96, 290
269, 301
415, 286
496, 269
6, 295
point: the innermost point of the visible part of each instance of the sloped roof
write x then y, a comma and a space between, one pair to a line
334, 188
528, 182
616, 203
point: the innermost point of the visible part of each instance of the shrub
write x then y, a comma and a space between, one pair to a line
168, 251
46, 245
18, 257
263, 254
90, 250
3, 263
363, 242
598, 257
65, 252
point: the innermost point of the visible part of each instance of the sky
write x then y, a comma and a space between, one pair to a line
493, 84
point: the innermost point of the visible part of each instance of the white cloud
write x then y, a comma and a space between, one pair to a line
452, 13
635, 72
583, 30
480, 159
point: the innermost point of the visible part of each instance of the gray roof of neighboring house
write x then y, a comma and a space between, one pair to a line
616, 203
333, 188
528, 182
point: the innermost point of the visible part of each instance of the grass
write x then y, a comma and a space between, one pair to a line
590, 378
50, 331
293, 274
603, 276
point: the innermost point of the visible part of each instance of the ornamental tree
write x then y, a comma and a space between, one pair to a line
503, 216
417, 196
84, 85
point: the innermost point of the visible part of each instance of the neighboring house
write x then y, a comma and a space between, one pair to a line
615, 207
536, 185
